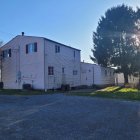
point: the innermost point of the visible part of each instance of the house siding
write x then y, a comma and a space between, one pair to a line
32, 68
92, 74
30, 65
64, 59
132, 80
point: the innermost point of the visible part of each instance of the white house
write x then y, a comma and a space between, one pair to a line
41, 62
93, 74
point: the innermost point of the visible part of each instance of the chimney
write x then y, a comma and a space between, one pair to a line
22, 33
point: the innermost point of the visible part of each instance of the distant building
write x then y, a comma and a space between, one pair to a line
93, 74
41, 62
132, 80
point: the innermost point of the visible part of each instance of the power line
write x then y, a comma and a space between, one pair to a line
7, 33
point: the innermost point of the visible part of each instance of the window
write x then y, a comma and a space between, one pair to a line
9, 53
63, 70
50, 71
30, 48
6, 53
75, 72
57, 49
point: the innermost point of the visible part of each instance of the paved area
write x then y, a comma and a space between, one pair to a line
60, 117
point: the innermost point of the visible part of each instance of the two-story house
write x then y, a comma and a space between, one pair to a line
41, 62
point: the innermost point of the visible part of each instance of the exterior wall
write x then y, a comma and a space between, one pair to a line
21, 67
107, 76
65, 59
119, 80
87, 74
95, 74
32, 68
133, 80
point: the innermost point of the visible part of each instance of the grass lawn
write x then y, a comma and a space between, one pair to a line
112, 92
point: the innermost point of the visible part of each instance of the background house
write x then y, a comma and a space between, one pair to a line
132, 80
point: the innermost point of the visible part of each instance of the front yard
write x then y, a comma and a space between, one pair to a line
111, 92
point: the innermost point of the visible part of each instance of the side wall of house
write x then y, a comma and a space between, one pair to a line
108, 76
92, 74
23, 68
87, 74
67, 59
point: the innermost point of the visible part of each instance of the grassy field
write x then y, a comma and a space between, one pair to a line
109, 92
112, 92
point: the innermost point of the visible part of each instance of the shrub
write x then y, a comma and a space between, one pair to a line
65, 87
1, 85
27, 86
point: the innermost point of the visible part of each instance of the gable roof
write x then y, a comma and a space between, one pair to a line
44, 39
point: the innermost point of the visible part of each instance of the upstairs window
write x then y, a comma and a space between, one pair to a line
57, 49
30, 48
9, 53
6, 53
50, 71
75, 72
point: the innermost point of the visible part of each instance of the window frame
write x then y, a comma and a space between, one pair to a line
57, 49
50, 70
7, 53
31, 48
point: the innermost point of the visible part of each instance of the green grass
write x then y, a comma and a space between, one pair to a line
113, 92
24, 92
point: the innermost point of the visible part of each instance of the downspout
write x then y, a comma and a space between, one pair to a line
45, 87
19, 71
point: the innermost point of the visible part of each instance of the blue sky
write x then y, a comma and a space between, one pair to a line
70, 22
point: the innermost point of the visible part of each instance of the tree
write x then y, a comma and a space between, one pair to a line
115, 41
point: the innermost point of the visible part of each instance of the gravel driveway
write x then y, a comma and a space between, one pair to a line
60, 117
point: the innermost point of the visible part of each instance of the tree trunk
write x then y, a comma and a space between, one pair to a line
125, 78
